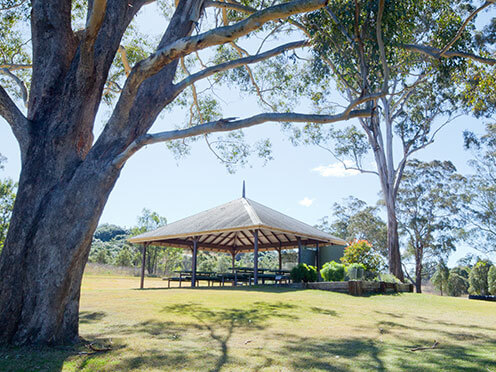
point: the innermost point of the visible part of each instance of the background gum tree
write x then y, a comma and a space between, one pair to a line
479, 212
75, 57
354, 219
408, 56
428, 206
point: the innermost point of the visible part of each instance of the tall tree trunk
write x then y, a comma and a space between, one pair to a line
394, 256
419, 253
47, 246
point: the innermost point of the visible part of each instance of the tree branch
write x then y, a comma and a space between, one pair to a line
242, 52
224, 125
179, 87
340, 26
11, 113
345, 166
233, 6
380, 43
436, 53
462, 27
125, 62
20, 84
221, 35
13, 6
15, 66
94, 24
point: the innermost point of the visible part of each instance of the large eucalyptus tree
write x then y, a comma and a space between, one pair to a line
75, 54
409, 56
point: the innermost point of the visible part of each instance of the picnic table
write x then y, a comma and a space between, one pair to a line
238, 275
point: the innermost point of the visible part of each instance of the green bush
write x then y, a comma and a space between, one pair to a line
491, 280
478, 278
440, 277
356, 271
457, 284
361, 251
303, 273
124, 258
333, 272
387, 278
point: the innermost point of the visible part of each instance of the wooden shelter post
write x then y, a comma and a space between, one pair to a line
255, 257
193, 262
279, 251
299, 250
143, 264
317, 256
233, 255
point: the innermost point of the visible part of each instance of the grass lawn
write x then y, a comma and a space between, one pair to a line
267, 329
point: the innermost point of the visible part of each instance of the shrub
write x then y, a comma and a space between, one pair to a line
361, 251
387, 278
124, 258
356, 271
440, 277
333, 272
491, 280
478, 278
457, 284
303, 273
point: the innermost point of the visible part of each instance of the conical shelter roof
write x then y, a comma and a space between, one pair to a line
229, 228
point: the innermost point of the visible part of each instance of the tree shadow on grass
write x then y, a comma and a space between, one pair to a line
327, 355
356, 354
445, 329
52, 359
86, 317
319, 310
214, 327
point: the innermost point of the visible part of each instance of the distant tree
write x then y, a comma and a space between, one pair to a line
479, 211
362, 46
102, 257
457, 283
428, 203
7, 198
468, 261
148, 221
491, 280
206, 261
478, 278
354, 219
106, 232
124, 258
440, 277
172, 260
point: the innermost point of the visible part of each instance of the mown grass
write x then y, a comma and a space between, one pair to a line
267, 329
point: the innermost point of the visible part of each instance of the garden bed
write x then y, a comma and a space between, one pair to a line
358, 287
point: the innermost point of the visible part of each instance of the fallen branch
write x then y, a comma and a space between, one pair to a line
426, 347
95, 350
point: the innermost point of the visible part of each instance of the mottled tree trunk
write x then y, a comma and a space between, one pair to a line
66, 178
47, 248
394, 256
419, 253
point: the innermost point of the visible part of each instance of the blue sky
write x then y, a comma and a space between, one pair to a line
291, 183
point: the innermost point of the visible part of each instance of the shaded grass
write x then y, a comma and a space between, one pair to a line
268, 329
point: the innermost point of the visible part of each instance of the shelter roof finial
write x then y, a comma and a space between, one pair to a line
244, 194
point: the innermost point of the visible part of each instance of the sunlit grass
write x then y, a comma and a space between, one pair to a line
268, 329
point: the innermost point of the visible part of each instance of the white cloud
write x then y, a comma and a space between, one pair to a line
336, 170
306, 201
